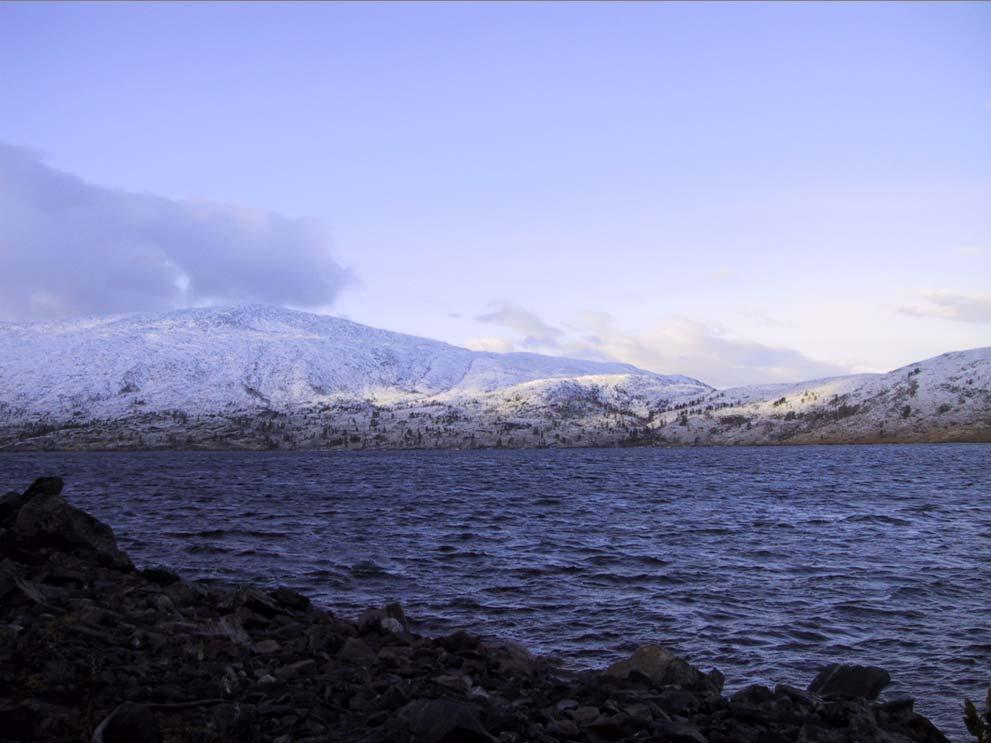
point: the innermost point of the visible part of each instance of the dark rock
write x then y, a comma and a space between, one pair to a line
841, 681
754, 695
356, 651
679, 732
160, 576
18, 721
290, 598
676, 701
563, 729
894, 711
444, 721
12, 502
714, 682
458, 642
796, 696
129, 723
46, 520
659, 664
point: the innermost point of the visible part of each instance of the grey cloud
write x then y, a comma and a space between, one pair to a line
948, 305
68, 247
536, 333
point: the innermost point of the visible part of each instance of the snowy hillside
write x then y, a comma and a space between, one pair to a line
244, 358
263, 377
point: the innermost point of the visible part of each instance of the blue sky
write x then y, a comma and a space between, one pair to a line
741, 192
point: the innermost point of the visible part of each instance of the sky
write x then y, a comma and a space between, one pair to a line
740, 192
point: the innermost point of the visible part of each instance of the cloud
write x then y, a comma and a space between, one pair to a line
678, 346
948, 305
970, 251
536, 333
495, 345
685, 346
68, 247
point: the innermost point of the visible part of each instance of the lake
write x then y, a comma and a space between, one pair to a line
763, 562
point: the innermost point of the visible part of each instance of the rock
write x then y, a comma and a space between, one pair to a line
659, 664
160, 576
444, 721
514, 657
129, 723
290, 598
585, 714
12, 502
18, 721
841, 681
714, 682
356, 651
679, 732
394, 610
46, 520
894, 711
266, 647
391, 618
563, 729
754, 695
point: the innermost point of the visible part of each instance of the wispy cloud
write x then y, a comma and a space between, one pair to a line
68, 247
970, 251
686, 346
536, 333
677, 346
948, 305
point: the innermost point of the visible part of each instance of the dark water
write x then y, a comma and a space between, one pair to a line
763, 562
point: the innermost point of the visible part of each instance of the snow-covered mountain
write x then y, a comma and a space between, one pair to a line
259, 376
241, 359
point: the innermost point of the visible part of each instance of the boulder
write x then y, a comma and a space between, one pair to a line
129, 723
45, 520
659, 664
12, 502
842, 681
444, 721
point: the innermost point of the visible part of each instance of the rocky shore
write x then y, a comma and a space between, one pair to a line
92, 649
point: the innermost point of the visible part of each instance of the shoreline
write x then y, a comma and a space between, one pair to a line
93, 649
6, 449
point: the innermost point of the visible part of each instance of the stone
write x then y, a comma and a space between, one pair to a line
290, 598
12, 502
160, 576
679, 732
754, 695
129, 723
267, 646
659, 664
585, 714
356, 651
563, 729
46, 520
842, 681
444, 721
894, 711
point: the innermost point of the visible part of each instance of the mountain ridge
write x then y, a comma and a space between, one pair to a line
218, 377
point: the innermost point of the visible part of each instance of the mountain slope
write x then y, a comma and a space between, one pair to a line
263, 377
242, 358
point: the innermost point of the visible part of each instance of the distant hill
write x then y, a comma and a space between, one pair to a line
264, 377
